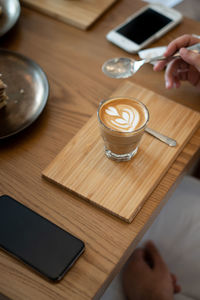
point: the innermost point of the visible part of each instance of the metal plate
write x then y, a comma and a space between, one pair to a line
10, 14
27, 89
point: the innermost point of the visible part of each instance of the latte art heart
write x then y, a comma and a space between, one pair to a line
123, 115
127, 118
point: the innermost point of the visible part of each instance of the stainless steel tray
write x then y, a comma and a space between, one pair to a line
10, 14
27, 89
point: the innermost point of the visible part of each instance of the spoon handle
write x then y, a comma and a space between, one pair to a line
163, 138
195, 48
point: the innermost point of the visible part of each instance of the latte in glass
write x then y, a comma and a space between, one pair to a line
122, 124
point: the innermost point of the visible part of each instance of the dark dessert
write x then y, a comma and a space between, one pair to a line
3, 96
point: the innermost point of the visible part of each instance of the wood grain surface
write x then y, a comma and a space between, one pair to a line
122, 188
72, 60
79, 13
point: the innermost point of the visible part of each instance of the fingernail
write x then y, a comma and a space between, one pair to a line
167, 84
155, 67
183, 51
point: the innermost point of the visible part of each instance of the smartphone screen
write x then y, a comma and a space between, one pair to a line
144, 26
36, 241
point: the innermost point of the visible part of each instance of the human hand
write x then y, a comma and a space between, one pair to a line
186, 68
146, 276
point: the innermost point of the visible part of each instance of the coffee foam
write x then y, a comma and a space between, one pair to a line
124, 115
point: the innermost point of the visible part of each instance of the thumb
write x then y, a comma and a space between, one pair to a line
154, 256
191, 57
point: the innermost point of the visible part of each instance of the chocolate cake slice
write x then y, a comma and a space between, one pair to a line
3, 96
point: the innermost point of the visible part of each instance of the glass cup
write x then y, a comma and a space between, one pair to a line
122, 123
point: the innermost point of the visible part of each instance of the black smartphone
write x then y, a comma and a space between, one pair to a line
36, 241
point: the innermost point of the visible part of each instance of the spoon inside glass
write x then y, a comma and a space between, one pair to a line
124, 67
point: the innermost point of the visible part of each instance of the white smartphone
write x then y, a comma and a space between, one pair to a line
144, 27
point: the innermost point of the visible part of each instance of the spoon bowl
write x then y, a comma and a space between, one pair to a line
118, 67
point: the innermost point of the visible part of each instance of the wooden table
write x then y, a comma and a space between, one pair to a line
72, 60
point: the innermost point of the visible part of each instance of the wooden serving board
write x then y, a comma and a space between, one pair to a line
79, 13
121, 188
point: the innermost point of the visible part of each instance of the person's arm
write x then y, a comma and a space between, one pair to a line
186, 68
146, 276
